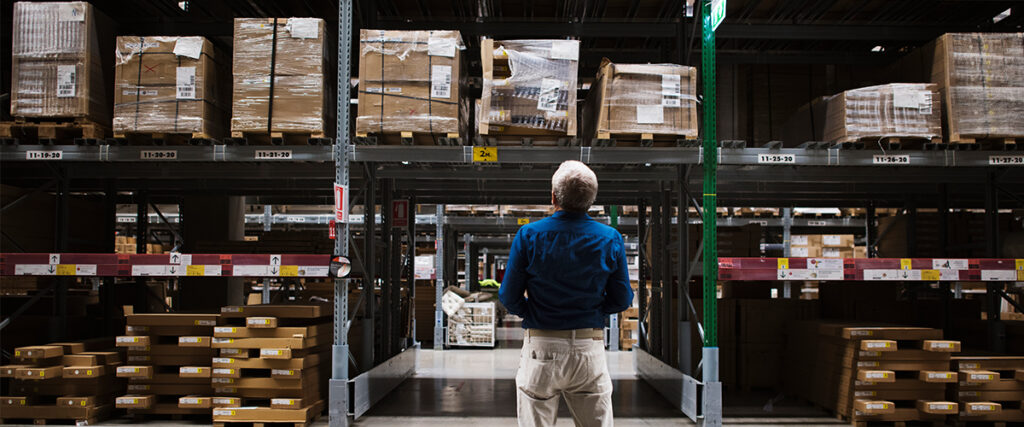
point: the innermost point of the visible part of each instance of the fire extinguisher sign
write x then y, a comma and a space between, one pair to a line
341, 203
400, 213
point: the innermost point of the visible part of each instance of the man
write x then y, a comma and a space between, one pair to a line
574, 271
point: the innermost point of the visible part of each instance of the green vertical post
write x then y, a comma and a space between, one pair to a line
613, 213
710, 193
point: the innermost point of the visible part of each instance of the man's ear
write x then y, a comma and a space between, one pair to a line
554, 202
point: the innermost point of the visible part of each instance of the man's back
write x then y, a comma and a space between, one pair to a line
573, 270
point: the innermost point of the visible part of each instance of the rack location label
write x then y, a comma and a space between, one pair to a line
44, 155
273, 155
776, 159
158, 155
891, 159
1017, 160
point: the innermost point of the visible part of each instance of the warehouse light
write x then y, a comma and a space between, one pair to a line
878, 49
1002, 16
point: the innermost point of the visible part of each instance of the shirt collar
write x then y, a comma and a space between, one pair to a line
570, 215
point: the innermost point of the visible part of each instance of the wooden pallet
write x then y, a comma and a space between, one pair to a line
58, 131
551, 140
642, 140
277, 138
160, 138
894, 142
978, 142
408, 138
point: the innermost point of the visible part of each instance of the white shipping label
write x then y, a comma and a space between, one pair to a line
799, 252
270, 352
189, 47
189, 340
798, 240
547, 99
313, 271
85, 269
650, 114
186, 83
565, 49
911, 98
949, 264
437, 46
149, 270
824, 263
66, 79
304, 28
35, 270
73, 12
222, 360
189, 370
190, 401
139, 92
441, 81
671, 88
999, 275
832, 240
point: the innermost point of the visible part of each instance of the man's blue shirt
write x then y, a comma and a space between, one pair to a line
573, 270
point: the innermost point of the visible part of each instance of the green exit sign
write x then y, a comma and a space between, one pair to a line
717, 13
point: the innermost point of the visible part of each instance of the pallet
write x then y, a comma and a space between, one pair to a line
642, 140
552, 140
160, 138
263, 424
80, 131
977, 142
277, 138
894, 142
302, 417
408, 138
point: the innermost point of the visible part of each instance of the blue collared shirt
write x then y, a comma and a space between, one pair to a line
573, 269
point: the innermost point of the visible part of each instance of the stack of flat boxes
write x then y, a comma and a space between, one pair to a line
825, 246
168, 367
991, 388
60, 381
273, 363
868, 373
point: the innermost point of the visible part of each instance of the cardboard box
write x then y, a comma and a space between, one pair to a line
12, 401
261, 322
195, 402
236, 353
642, 98
134, 371
167, 85
287, 403
37, 352
219, 402
194, 341
292, 51
71, 347
937, 376
132, 341
200, 321
263, 343
410, 81
892, 110
90, 359
836, 252
76, 401
258, 414
303, 362
938, 407
874, 407
226, 373
279, 332
805, 252
941, 346
542, 94
35, 373
279, 311
982, 408
60, 56
135, 401
8, 371
805, 240
84, 371
194, 372
837, 240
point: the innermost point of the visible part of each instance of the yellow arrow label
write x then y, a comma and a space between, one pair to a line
65, 269
1019, 265
783, 263
289, 270
930, 275
195, 270
905, 264
485, 154
523, 221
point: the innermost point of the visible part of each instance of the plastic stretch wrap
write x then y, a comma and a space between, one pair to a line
279, 73
984, 76
410, 81
529, 84
166, 85
642, 98
910, 110
57, 64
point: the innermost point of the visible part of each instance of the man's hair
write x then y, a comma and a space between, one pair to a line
574, 186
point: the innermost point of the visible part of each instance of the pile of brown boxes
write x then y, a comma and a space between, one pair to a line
641, 100
167, 85
825, 246
60, 53
168, 366
629, 325
872, 373
273, 363
892, 111
60, 381
991, 388
280, 84
409, 82
529, 87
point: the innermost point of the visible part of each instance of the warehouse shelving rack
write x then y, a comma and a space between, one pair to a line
663, 179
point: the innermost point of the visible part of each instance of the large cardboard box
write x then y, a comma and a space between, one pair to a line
410, 81
60, 57
279, 73
539, 97
642, 98
911, 110
167, 85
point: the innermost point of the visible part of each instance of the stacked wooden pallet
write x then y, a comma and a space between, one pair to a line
60, 382
991, 388
874, 373
168, 363
273, 363
629, 328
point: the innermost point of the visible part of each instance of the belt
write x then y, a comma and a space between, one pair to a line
593, 333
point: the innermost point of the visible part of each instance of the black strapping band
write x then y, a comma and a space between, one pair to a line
273, 63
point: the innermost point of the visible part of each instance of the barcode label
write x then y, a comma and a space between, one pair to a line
139, 92
547, 99
186, 83
441, 81
66, 75
671, 87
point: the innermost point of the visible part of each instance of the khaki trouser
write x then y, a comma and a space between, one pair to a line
574, 368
